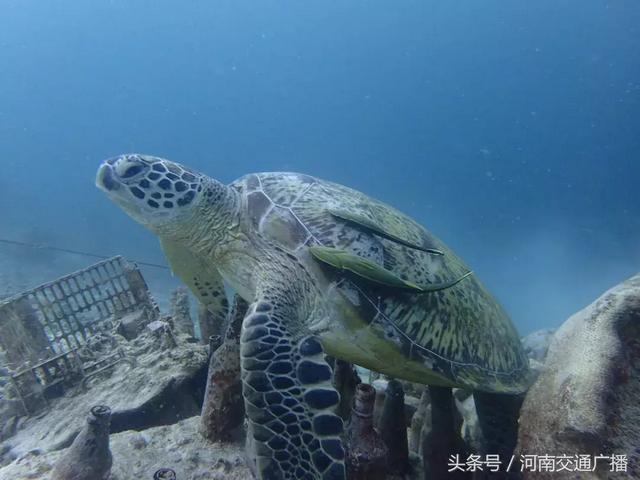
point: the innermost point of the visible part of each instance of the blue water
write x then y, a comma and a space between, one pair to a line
509, 129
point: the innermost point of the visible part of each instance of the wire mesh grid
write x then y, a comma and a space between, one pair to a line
73, 307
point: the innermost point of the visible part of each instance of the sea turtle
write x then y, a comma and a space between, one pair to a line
327, 270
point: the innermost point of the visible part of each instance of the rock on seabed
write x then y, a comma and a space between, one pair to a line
587, 397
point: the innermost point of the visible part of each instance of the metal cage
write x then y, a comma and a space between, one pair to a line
41, 329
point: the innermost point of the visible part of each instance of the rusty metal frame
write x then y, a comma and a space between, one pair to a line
72, 307
62, 315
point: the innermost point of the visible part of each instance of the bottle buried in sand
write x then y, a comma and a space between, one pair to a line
164, 474
345, 380
215, 341
393, 428
366, 451
223, 407
88, 457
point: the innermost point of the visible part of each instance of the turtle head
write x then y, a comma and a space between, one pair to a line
156, 192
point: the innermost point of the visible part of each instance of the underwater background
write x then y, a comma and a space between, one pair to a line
511, 130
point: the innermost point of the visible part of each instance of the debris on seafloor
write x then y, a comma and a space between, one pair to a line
345, 379
214, 343
93, 337
89, 457
180, 311
223, 407
138, 454
210, 323
366, 452
164, 474
393, 428
420, 421
443, 438
45, 331
162, 334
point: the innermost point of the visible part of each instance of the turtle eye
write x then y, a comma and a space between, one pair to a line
131, 171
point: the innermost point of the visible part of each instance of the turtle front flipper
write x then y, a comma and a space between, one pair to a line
289, 398
203, 280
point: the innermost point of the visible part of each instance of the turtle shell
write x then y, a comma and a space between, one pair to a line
462, 332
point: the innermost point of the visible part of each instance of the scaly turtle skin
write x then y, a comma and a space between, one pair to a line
327, 270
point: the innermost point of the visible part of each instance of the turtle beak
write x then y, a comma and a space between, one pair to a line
105, 178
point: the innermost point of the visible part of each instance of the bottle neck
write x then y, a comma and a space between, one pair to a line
362, 412
361, 424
